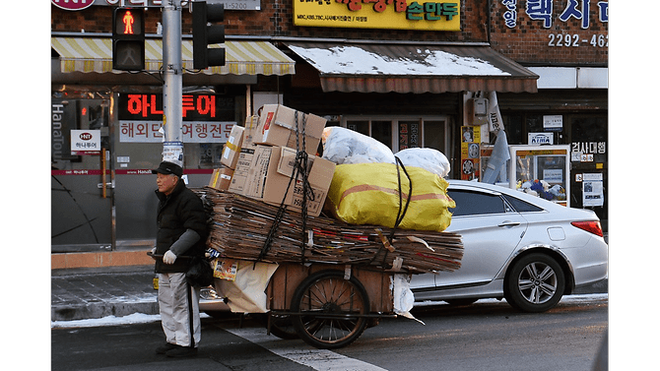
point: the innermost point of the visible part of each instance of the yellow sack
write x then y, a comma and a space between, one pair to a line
369, 194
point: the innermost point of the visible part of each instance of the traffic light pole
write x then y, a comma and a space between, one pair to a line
173, 85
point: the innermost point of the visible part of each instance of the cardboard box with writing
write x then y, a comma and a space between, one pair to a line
244, 157
277, 127
271, 170
232, 148
221, 178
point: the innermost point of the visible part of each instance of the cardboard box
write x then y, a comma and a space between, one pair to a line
277, 125
241, 171
244, 158
233, 147
221, 178
271, 170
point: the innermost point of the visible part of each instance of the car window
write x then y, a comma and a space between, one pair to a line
471, 203
520, 205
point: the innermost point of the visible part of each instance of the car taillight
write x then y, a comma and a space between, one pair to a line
592, 226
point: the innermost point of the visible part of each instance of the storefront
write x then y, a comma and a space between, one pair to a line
576, 118
106, 133
402, 73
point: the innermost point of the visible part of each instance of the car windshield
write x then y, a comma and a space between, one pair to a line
474, 203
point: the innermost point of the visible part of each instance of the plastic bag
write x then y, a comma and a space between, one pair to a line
345, 146
199, 273
369, 194
426, 158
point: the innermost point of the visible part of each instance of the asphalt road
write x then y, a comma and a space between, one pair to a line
488, 335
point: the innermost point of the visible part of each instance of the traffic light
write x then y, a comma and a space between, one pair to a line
205, 34
128, 39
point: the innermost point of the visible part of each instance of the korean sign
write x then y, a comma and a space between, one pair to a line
425, 15
85, 142
544, 11
569, 24
206, 118
229, 4
409, 135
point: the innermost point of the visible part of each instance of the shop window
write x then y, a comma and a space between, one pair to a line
589, 135
534, 124
401, 132
361, 127
513, 125
382, 132
435, 135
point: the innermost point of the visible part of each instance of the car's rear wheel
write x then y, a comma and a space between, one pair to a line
535, 283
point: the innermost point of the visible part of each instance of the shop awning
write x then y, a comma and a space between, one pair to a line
94, 54
381, 68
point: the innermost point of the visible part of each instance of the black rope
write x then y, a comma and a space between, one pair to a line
299, 169
302, 160
401, 213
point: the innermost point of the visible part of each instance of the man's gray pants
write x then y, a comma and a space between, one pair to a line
179, 310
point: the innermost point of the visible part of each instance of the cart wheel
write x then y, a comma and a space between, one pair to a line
330, 309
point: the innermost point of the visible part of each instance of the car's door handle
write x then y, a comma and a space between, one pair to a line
508, 223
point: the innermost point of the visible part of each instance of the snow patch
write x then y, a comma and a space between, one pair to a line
355, 60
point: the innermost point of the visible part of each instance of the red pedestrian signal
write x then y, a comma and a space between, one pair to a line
128, 21
128, 39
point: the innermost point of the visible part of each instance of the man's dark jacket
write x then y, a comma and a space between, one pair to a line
179, 211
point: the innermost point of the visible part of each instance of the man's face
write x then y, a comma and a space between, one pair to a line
166, 182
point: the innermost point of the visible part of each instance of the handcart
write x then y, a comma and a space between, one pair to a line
327, 306
339, 281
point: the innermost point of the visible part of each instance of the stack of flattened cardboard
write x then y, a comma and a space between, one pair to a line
241, 226
248, 223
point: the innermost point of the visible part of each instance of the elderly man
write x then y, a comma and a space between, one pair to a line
182, 233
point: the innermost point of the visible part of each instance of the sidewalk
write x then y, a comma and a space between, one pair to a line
85, 293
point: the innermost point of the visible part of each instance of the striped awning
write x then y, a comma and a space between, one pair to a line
407, 68
94, 54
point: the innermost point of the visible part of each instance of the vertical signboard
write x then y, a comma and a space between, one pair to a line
63, 119
470, 152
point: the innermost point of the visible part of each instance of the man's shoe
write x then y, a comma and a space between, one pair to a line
181, 352
164, 348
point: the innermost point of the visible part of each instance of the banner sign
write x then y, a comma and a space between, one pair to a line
438, 15
207, 118
84, 142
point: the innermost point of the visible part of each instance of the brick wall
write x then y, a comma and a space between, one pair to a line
528, 42
276, 19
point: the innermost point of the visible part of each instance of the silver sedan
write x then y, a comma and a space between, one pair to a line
519, 247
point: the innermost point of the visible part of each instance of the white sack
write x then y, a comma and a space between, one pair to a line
345, 146
427, 158
404, 299
246, 294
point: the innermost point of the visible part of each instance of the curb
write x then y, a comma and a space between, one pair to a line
95, 311
103, 259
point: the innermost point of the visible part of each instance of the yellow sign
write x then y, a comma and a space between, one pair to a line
438, 15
